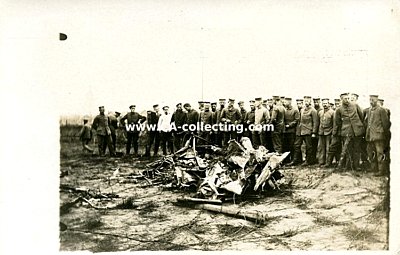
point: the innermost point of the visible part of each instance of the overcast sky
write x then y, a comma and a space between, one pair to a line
120, 53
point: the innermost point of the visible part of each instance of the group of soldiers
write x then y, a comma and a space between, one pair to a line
355, 138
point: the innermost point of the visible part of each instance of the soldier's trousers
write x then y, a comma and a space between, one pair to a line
132, 138
297, 149
335, 148
114, 140
178, 140
103, 141
277, 142
154, 137
268, 141
350, 156
377, 156
314, 149
166, 141
258, 139
324, 142
288, 145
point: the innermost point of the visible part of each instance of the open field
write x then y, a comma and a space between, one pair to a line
317, 209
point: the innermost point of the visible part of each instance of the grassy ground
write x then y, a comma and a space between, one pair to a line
319, 209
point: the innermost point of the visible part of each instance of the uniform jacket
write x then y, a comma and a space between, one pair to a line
377, 124
348, 120
243, 113
250, 116
192, 117
132, 118
326, 121
292, 118
179, 117
231, 113
152, 118
113, 123
101, 124
278, 118
308, 121
206, 117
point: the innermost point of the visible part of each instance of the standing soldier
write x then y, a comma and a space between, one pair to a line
292, 117
308, 127
113, 127
220, 134
243, 113
261, 117
230, 116
335, 147
153, 135
179, 118
101, 124
213, 136
314, 140
349, 120
278, 120
325, 131
165, 129
377, 130
86, 135
249, 120
192, 119
268, 134
206, 117
133, 120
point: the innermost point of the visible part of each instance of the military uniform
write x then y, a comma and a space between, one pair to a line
348, 119
179, 118
132, 135
101, 124
308, 126
230, 115
249, 119
325, 133
277, 119
113, 128
377, 129
206, 117
153, 134
292, 117
261, 117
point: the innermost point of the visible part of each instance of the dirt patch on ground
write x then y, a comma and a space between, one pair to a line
317, 209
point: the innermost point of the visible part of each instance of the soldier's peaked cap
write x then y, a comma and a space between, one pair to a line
231, 100
325, 99
307, 97
374, 96
156, 105
132, 106
222, 100
258, 98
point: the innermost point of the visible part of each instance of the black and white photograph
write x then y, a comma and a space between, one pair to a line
200, 126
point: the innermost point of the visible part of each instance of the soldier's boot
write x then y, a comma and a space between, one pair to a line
329, 160
342, 163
